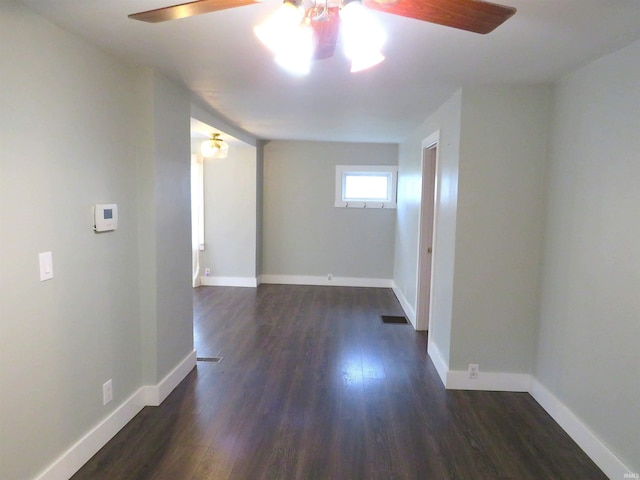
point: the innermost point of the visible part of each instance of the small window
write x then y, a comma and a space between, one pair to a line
366, 186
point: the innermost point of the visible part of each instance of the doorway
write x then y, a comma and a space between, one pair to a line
224, 208
426, 231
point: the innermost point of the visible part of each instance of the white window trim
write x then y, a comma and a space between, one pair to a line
342, 171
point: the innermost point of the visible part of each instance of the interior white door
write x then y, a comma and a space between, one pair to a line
425, 241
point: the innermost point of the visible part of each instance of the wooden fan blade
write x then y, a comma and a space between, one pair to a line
471, 15
188, 10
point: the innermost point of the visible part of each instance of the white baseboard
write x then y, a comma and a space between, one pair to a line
438, 361
611, 465
155, 395
78, 454
229, 282
488, 381
85, 448
324, 281
604, 458
409, 311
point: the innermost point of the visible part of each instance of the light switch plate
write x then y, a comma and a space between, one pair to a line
107, 392
46, 266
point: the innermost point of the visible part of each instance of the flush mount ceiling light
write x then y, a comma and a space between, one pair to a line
298, 34
215, 147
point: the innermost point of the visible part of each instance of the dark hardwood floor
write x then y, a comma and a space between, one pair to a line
313, 385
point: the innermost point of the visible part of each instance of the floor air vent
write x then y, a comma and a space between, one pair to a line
393, 319
209, 359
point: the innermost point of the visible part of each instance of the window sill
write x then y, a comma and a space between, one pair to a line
369, 205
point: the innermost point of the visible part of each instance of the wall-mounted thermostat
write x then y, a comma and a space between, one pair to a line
105, 217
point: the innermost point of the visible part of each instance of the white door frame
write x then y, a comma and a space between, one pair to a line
426, 246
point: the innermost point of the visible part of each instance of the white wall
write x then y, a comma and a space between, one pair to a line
171, 326
67, 143
568, 330
499, 227
588, 354
78, 127
490, 177
230, 214
446, 120
304, 234
259, 203
119, 304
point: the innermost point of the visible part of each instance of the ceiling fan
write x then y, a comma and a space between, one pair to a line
322, 21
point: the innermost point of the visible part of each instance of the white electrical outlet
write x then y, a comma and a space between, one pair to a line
107, 392
207, 272
330, 276
474, 371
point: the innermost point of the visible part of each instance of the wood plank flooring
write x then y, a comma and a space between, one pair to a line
313, 385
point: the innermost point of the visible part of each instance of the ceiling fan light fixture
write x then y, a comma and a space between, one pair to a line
297, 53
294, 64
286, 31
363, 37
279, 29
363, 62
289, 37
215, 147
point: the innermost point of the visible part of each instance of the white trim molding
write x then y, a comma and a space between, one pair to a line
488, 381
426, 246
588, 441
155, 395
436, 357
228, 281
81, 452
78, 454
388, 172
325, 281
409, 311
604, 458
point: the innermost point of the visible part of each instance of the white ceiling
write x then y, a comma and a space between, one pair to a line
219, 59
